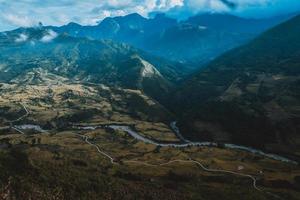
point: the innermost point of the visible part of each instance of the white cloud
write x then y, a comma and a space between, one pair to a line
50, 35
18, 20
22, 38
15, 13
248, 8
88, 12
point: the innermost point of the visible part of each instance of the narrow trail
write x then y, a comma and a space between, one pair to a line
18, 130
16, 120
111, 159
22, 117
86, 139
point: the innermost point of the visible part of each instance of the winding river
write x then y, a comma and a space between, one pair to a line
186, 143
136, 135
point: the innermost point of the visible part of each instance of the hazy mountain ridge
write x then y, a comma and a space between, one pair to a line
198, 39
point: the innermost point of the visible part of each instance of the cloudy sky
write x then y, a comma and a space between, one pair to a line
16, 13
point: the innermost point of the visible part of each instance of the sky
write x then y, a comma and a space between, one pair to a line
25, 13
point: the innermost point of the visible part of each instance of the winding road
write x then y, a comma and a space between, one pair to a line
192, 161
86, 139
23, 116
20, 128
11, 122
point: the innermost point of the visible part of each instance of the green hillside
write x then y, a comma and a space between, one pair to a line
249, 95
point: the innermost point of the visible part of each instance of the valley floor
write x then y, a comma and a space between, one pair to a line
51, 158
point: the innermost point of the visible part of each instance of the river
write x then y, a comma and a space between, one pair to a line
186, 143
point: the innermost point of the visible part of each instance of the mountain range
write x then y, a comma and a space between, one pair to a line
196, 40
30, 51
247, 93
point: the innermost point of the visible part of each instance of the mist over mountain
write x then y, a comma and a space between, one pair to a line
196, 40
27, 13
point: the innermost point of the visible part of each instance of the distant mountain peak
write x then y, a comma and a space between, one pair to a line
134, 16
131, 18
73, 24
